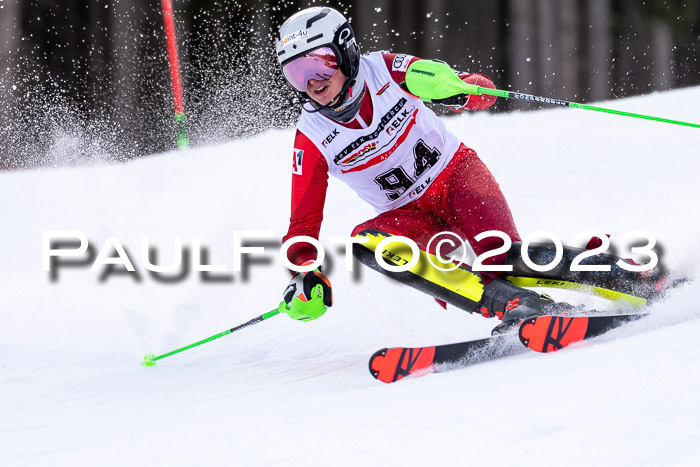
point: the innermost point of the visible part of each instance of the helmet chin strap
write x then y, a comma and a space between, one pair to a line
338, 99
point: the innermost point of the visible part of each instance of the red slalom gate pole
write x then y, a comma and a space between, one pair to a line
176, 81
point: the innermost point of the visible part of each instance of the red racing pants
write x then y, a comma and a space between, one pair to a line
464, 199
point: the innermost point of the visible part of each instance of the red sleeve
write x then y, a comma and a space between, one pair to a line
309, 184
397, 65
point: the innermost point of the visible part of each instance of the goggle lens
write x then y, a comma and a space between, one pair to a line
320, 64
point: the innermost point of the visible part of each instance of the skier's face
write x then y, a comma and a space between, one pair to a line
324, 91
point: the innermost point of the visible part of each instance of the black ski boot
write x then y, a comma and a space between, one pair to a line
512, 304
521, 307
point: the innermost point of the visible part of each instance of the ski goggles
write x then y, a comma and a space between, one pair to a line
320, 64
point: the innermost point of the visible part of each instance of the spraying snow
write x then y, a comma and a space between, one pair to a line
285, 392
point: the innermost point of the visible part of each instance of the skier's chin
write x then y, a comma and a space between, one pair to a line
333, 101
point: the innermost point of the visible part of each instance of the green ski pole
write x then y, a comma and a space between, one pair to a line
150, 359
434, 81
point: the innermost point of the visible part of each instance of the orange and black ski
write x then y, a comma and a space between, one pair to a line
549, 333
543, 334
391, 365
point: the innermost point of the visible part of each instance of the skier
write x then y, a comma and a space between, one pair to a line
360, 124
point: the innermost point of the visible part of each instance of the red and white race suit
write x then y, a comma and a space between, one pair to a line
394, 153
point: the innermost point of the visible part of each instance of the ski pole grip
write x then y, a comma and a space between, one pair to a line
282, 308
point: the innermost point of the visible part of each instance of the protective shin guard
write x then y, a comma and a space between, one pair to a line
459, 287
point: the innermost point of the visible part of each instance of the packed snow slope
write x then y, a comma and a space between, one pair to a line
291, 393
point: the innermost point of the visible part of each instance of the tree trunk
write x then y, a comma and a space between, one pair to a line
372, 23
433, 22
634, 73
568, 63
521, 49
547, 48
661, 54
9, 42
483, 52
262, 54
407, 24
99, 54
125, 87
599, 50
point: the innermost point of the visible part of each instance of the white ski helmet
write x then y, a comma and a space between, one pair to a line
315, 28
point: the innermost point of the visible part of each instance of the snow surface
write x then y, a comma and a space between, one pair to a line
291, 393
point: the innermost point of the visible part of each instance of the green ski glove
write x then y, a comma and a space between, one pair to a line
307, 297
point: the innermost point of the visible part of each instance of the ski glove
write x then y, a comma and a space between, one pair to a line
460, 103
483, 101
307, 296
